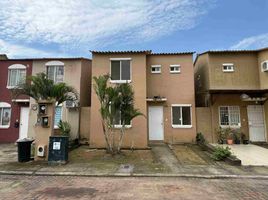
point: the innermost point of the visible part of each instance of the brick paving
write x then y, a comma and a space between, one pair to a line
65, 187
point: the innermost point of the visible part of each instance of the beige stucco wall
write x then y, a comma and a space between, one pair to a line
203, 122
138, 132
72, 76
263, 56
85, 123
245, 75
177, 88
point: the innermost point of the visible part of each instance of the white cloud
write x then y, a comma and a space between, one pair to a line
14, 50
254, 42
73, 24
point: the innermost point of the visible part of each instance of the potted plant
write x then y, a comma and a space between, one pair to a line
244, 139
230, 138
221, 135
237, 137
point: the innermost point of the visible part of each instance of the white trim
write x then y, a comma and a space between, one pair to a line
175, 72
120, 126
20, 100
130, 71
191, 115
156, 66
54, 63
17, 66
228, 65
4, 105
118, 59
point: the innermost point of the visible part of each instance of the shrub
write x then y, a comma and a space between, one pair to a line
65, 128
221, 153
200, 138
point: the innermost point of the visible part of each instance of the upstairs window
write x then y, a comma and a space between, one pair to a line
229, 116
181, 116
175, 69
55, 71
228, 67
120, 70
156, 69
264, 66
16, 75
5, 114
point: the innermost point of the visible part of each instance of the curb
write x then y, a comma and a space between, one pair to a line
82, 174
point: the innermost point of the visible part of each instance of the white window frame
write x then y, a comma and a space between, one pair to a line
156, 66
262, 69
15, 67
229, 117
229, 65
2, 106
181, 105
130, 69
175, 71
120, 125
60, 105
55, 64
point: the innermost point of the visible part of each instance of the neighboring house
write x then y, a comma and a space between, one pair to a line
75, 72
231, 91
14, 113
163, 87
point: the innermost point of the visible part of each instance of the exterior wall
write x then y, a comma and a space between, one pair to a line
245, 75
204, 122
201, 78
72, 76
85, 83
266, 118
263, 56
178, 88
85, 123
11, 134
229, 100
137, 134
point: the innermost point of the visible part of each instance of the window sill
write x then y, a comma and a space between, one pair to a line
228, 71
120, 81
174, 72
4, 127
11, 87
226, 126
120, 126
182, 126
155, 72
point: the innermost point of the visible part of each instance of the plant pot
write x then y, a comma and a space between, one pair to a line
245, 142
229, 141
224, 141
237, 141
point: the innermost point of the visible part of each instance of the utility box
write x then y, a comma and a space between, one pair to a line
58, 149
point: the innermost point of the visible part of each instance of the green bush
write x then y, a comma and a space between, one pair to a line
221, 153
65, 128
200, 138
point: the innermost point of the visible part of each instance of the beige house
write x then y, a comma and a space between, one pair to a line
164, 92
231, 91
76, 72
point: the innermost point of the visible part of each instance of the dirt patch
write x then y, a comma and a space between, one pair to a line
68, 192
191, 155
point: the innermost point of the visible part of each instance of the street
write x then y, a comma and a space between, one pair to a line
67, 187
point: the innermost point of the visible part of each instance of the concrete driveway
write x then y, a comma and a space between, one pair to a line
8, 153
250, 155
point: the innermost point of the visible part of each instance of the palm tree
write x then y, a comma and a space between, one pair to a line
39, 87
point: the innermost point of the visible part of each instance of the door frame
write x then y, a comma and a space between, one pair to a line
148, 121
264, 122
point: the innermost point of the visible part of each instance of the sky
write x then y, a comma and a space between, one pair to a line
71, 28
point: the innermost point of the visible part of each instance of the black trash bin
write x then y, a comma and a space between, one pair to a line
58, 149
24, 149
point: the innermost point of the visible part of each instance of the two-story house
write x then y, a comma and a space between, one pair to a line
75, 72
231, 91
14, 113
163, 85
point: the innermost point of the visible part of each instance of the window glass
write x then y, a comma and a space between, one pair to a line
59, 74
55, 73
186, 116
125, 67
229, 115
115, 70
58, 113
5, 116
176, 115
16, 76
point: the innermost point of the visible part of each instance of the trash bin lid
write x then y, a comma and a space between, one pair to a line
25, 140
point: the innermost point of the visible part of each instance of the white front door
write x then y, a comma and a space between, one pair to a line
24, 118
256, 123
156, 131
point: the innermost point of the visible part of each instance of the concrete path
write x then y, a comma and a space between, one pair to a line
250, 155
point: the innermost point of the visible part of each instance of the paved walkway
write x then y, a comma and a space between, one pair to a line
55, 187
250, 155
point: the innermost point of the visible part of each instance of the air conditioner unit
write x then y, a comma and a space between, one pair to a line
265, 66
71, 104
41, 149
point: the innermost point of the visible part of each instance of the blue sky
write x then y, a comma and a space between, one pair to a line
57, 28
